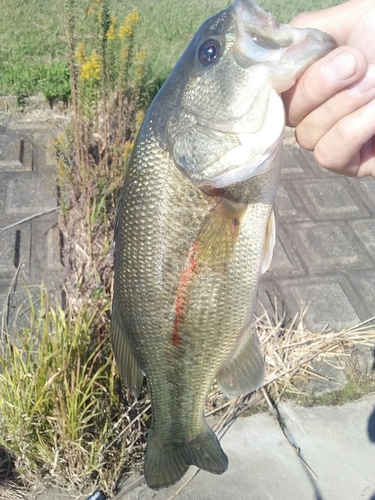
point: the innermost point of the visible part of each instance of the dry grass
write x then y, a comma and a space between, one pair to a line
289, 352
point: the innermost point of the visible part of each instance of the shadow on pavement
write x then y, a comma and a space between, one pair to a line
371, 428
371, 421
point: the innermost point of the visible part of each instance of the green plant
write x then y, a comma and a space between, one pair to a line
63, 415
107, 81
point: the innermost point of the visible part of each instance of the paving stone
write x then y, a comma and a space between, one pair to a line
284, 204
327, 246
16, 153
331, 301
30, 194
15, 250
330, 199
45, 249
361, 362
269, 300
366, 190
285, 261
365, 230
292, 166
364, 283
27, 188
333, 377
289, 205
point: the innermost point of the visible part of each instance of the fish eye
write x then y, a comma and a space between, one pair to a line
209, 51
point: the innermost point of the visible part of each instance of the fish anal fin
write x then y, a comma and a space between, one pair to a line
127, 364
218, 235
244, 371
269, 242
166, 461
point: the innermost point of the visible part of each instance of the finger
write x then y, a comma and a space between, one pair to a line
337, 70
345, 140
367, 159
337, 21
350, 23
321, 119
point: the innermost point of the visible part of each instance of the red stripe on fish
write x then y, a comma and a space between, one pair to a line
188, 272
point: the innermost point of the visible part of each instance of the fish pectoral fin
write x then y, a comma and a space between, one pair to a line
244, 371
217, 238
127, 364
269, 242
167, 461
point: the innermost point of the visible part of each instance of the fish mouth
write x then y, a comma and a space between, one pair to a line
261, 38
262, 27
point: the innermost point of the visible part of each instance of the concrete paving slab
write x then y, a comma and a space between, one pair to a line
338, 443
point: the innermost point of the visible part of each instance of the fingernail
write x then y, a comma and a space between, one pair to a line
341, 67
367, 83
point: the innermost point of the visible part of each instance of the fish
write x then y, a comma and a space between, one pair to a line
196, 227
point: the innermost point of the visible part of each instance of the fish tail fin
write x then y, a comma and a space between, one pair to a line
166, 462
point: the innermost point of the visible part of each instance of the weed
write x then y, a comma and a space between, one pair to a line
63, 414
354, 390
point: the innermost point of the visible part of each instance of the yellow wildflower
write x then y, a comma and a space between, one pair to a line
127, 28
95, 6
141, 56
92, 69
111, 33
100, 16
124, 53
128, 147
80, 54
139, 117
60, 140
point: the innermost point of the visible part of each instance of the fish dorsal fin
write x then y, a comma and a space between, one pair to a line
127, 364
244, 371
217, 238
269, 242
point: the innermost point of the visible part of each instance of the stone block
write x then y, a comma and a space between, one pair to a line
330, 199
46, 263
366, 190
284, 204
269, 301
365, 230
285, 261
15, 250
30, 194
327, 246
333, 377
330, 300
292, 166
289, 205
364, 283
16, 153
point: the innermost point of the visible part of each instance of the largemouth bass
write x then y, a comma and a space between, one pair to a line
195, 228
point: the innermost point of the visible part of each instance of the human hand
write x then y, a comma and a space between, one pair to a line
332, 105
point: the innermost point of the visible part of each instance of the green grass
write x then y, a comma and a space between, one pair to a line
33, 49
354, 390
64, 419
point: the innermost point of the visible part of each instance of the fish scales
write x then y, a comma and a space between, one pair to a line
195, 229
